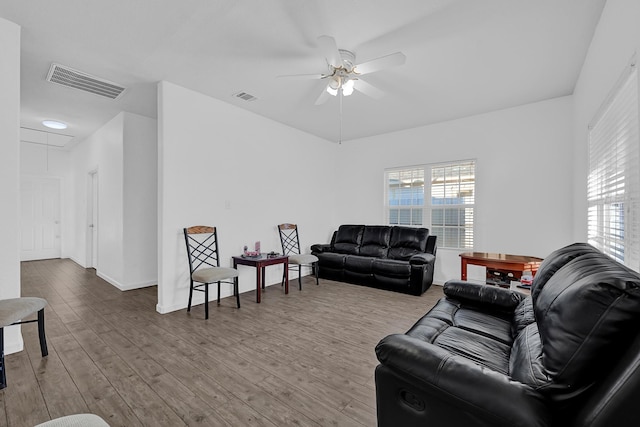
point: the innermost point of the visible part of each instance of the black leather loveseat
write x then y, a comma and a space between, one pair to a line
568, 355
395, 258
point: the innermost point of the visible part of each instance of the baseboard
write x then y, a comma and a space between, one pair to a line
13, 342
124, 287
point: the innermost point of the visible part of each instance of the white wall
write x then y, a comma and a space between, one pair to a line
124, 153
523, 176
223, 166
616, 39
9, 173
140, 201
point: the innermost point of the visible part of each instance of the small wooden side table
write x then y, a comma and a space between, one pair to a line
260, 262
514, 264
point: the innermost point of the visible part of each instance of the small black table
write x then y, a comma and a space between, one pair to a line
260, 262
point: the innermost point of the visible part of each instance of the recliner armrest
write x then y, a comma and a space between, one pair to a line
485, 295
421, 259
319, 248
475, 389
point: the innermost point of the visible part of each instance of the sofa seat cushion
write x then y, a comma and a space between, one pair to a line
358, 264
391, 268
331, 260
482, 338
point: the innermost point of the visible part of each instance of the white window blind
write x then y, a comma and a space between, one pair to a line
613, 188
452, 203
405, 196
440, 197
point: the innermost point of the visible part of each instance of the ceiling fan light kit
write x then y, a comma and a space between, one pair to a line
343, 72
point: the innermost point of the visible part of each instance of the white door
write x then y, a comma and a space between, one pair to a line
40, 218
92, 221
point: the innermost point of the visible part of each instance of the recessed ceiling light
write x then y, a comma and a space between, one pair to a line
54, 124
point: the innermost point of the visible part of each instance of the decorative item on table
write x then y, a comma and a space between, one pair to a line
526, 280
273, 254
248, 253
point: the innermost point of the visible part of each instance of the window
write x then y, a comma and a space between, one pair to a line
405, 196
450, 196
613, 188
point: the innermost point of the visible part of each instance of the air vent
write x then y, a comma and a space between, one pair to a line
245, 96
69, 77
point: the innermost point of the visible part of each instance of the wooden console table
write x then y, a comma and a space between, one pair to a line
514, 264
260, 262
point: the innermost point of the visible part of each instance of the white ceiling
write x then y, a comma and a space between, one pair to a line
464, 57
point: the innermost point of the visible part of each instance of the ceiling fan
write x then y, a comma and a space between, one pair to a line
344, 75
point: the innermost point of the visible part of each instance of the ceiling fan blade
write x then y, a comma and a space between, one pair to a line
330, 50
314, 76
323, 97
368, 89
378, 64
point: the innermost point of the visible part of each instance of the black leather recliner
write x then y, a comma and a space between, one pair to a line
567, 355
401, 259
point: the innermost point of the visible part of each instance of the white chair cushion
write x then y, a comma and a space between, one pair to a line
214, 274
78, 420
302, 259
14, 309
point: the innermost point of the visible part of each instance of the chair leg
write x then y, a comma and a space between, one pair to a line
236, 289
300, 276
41, 335
206, 300
315, 269
282, 283
3, 373
190, 296
218, 293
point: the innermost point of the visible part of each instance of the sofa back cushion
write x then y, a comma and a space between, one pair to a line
555, 261
348, 239
587, 313
375, 241
406, 242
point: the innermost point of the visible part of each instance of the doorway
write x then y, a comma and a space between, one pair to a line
39, 218
92, 220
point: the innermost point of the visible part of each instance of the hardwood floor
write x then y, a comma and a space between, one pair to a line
303, 359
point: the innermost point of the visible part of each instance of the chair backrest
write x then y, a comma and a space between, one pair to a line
289, 239
202, 247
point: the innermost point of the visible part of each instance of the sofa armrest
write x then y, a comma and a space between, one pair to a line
459, 382
422, 259
320, 248
483, 295
432, 247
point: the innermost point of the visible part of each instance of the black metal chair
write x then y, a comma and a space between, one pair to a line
204, 264
291, 247
12, 311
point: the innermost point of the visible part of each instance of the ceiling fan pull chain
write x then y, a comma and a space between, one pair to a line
340, 136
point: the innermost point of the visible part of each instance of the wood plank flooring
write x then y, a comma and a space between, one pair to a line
303, 359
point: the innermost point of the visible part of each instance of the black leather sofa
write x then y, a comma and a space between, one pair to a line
400, 259
567, 355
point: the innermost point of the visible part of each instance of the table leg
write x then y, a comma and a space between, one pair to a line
263, 277
286, 277
258, 281
463, 269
